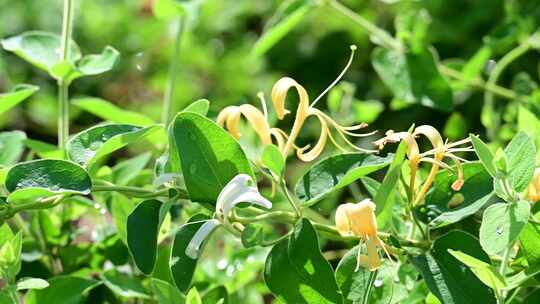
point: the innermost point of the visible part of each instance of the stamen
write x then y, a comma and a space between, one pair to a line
260, 95
351, 57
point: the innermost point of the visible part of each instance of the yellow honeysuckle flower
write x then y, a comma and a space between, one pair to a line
441, 149
533, 193
359, 220
230, 117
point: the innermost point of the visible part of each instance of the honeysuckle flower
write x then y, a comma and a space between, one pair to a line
240, 189
359, 220
230, 117
533, 192
441, 150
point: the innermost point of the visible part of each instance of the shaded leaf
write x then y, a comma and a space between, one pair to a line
111, 112
209, 155
142, 234
296, 271
46, 177
124, 285
11, 147
62, 290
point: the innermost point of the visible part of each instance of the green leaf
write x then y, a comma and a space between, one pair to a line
413, 77
43, 149
446, 278
455, 127
484, 155
193, 297
11, 147
88, 146
200, 106
529, 240
166, 293
502, 224
182, 266
209, 155
62, 290
488, 274
449, 217
444, 206
110, 112
296, 272
384, 199
273, 159
286, 19
46, 177
521, 159
252, 235
124, 285
336, 172
142, 234
40, 49
216, 295
15, 96
98, 63
31, 283
352, 283
127, 170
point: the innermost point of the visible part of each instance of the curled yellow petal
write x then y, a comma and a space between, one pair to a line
431, 133
230, 117
279, 95
319, 146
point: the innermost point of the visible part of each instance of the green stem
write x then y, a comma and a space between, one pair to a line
502, 271
371, 281
63, 86
63, 114
173, 71
379, 34
489, 98
136, 192
289, 198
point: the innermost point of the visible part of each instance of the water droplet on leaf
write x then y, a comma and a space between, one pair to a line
500, 230
95, 145
378, 282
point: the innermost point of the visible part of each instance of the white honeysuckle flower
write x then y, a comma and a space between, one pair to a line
240, 189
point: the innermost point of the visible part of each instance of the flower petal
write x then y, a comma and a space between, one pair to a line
279, 94
194, 247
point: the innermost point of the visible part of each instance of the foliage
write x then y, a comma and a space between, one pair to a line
110, 198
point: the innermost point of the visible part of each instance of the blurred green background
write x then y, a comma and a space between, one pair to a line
216, 63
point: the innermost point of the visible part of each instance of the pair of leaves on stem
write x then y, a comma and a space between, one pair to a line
41, 49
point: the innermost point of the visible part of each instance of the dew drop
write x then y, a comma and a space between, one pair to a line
499, 230
378, 282
95, 145
141, 61
97, 206
222, 264
490, 65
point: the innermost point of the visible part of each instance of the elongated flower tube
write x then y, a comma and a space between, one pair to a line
359, 220
440, 150
533, 192
240, 189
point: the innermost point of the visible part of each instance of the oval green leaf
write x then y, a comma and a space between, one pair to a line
182, 266
337, 172
502, 224
62, 290
46, 177
88, 146
296, 271
142, 234
11, 147
40, 49
521, 160
210, 156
